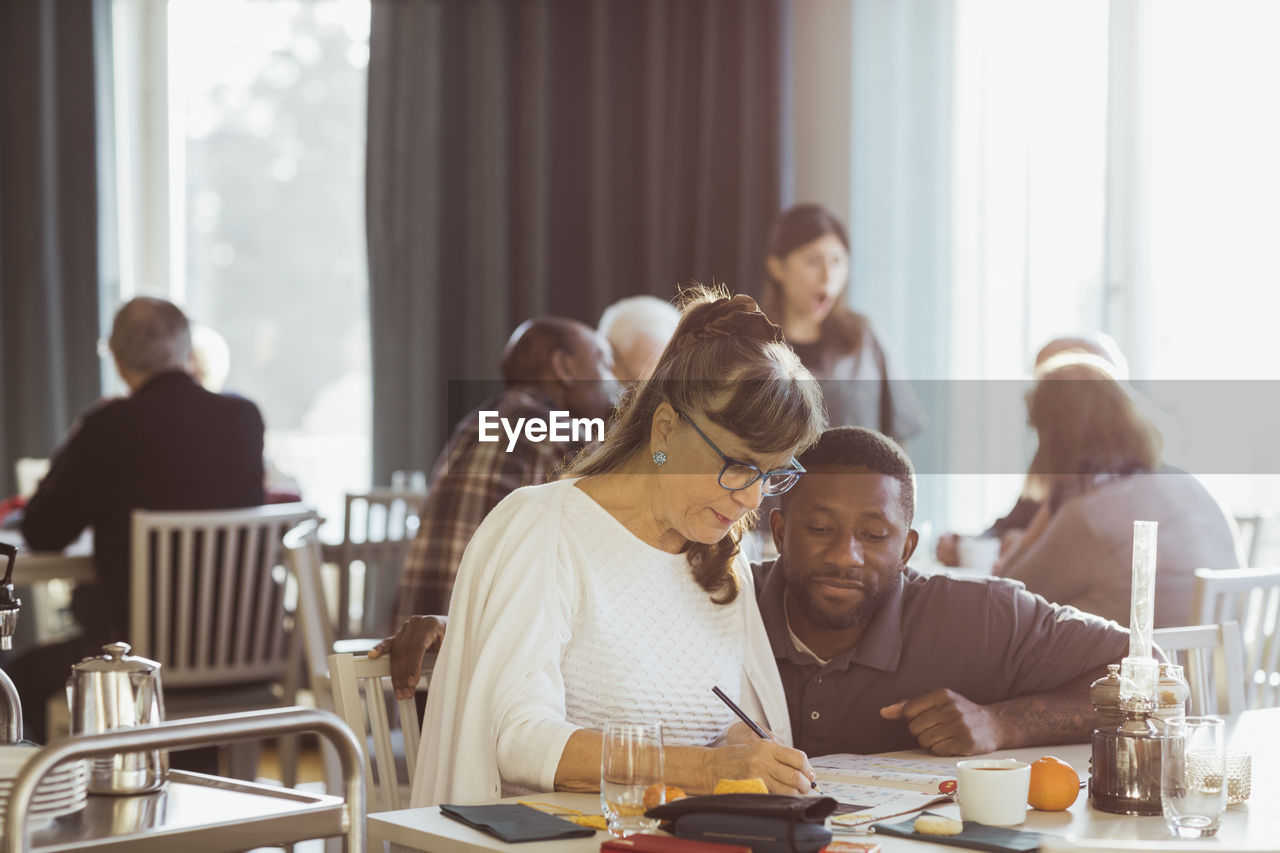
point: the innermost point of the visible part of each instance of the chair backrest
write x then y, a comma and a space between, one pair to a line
207, 594
1250, 597
313, 625
361, 688
1211, 659
378, 527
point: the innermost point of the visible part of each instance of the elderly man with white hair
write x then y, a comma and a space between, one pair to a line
637, 328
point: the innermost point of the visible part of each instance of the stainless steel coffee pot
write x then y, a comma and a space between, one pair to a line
113, 691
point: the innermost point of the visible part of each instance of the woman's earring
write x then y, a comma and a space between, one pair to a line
659, 458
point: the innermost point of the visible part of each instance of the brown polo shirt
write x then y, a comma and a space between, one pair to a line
986, 638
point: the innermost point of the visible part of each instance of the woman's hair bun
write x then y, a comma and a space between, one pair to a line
735, 316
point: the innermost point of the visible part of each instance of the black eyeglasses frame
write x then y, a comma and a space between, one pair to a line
795, 471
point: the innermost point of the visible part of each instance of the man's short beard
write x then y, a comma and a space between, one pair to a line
839, 621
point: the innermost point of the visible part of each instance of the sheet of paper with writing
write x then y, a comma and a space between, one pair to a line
872, 787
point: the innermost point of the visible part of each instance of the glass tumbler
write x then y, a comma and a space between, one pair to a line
630, 763
1193, 790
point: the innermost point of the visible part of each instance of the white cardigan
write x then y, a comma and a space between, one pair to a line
510, 619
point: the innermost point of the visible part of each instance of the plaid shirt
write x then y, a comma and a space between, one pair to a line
469, 479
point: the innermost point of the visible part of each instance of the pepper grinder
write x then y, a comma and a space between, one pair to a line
1105, 696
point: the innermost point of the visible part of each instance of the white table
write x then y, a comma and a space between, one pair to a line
43, 620
1254, 825
74, 563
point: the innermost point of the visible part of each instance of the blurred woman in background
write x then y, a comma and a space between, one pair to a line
1097, 470
807, 270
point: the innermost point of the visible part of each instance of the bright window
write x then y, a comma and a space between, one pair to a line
1211, 86
249, 174
1113, 168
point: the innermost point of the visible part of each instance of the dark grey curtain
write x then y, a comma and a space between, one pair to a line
549, 157
48, 225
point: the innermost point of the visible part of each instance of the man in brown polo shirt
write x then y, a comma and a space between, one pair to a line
875, 656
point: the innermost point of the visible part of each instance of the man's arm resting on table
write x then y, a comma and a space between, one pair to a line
947, 723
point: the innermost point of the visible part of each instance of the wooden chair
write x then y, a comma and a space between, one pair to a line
1255, 532
207, 602
1250, 597
361, 694
1211, 658
314, 637
378, 528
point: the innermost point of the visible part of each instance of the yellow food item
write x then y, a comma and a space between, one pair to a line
653, 795
1054, 784
741, 786
932, 824
592, 821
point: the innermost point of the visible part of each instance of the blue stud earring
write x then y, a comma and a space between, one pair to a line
659, 458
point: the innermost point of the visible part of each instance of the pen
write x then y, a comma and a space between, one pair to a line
752, 724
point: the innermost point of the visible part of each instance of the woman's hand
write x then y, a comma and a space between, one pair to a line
417, 636
783, 769
740, 734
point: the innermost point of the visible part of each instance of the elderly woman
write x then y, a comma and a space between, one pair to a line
1097, 469
620, 592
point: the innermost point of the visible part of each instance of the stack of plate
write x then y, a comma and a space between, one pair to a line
62, 791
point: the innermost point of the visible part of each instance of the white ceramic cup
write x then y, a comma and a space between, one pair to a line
993, 790
978, 553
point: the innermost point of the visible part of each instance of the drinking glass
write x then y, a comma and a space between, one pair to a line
630, 762
1193, 791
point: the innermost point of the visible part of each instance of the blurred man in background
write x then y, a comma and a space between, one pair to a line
168, 445
549, 364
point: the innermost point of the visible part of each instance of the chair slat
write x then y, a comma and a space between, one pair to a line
246, 547
342, 628
275, 616
161, 648
228, 606
410, 729
380, 732
184, 571
207, 604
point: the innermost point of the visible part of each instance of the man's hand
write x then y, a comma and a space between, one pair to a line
946, 723
417, 636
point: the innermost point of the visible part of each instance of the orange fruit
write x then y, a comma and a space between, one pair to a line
740, 786
653, 795
1054, 784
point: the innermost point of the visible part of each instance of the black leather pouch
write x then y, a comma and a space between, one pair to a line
767, 823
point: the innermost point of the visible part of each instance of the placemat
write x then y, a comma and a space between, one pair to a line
514, 823
975, 835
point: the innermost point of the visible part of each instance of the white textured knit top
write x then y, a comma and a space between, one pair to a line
648, 642
562, 619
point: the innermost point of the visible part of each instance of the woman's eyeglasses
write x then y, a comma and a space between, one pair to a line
737, 475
